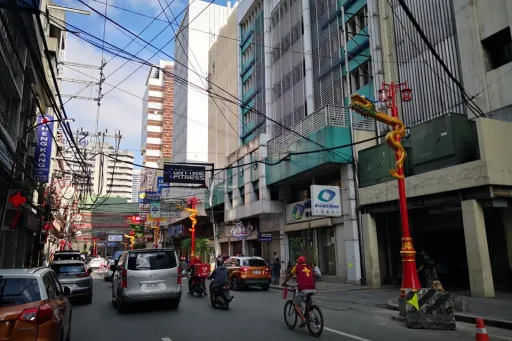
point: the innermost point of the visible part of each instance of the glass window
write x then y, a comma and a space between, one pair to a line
64, 256
14, 291
254, 262
152, 260
49, 287
68, 269
57, 285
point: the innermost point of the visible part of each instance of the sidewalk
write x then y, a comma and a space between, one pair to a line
496, 312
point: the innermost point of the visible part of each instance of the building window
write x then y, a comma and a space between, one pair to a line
362, 18
498, 49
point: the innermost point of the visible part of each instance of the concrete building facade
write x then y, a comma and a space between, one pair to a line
190, 140
158, 114
135, 185
457, 179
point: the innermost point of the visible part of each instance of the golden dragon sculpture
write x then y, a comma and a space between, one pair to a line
366, 108
193, 213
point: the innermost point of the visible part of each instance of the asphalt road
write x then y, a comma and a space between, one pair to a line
253, 316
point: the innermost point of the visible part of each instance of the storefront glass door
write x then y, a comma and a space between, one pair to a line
326, 242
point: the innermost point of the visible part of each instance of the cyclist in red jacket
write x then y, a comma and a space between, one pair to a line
305, 285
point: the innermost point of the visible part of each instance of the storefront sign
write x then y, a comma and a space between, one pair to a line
115, 238
43, 150
298, 212
154, 210
325, 201
180, 174
161, 184
265, 237
240, 231
175, 231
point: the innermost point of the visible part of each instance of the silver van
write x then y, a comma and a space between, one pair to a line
146, 275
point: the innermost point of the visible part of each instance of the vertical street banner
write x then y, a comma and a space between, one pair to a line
154, 210
43, 150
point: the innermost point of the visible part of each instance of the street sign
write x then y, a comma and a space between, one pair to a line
161, 184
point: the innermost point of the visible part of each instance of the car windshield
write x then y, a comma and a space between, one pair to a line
254, 262
152, 260
63, 256
67, 269
14, 291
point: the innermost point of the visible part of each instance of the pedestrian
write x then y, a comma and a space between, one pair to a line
428, 266
276, 270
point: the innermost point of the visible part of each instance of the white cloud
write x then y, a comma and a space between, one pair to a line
118, 110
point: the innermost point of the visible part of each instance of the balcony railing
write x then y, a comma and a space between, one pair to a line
326, 116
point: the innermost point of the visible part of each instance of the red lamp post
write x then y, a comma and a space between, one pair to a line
410, 280
192, 203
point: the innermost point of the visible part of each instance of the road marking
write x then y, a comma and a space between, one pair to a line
166, 339
354, 337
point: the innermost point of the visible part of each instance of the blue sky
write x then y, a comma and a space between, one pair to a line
119, 110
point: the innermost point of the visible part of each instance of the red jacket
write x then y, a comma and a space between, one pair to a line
305, 277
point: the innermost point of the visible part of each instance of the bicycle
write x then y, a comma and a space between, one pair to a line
312, 313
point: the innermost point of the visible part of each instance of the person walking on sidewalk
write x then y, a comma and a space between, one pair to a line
428, 266
276, 270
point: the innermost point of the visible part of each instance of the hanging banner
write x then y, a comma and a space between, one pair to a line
43, 150
181, 174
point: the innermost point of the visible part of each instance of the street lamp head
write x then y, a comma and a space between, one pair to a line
383, 95
406, 94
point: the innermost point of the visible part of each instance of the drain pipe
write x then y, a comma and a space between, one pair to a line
376, 50
308, 57
353, 162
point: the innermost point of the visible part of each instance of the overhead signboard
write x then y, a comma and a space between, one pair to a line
298, 212
115, 238
325, 201
154, 210
160, 184
181, 174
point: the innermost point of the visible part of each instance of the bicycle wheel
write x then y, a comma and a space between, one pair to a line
315, 321
290, 315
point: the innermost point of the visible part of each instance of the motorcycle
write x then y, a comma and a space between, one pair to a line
198, 286
220, 296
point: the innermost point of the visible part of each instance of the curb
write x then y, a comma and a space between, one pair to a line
466, 318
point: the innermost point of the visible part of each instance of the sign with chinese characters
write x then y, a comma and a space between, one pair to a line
43, 150
181, 174
325, 201
298, 212
154, 209
115, 238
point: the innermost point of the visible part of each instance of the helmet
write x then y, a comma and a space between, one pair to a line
220, 262
301, 260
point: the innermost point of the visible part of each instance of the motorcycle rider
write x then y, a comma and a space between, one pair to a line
193, 275
219, 276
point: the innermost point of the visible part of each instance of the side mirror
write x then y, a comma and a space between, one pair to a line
67, 291
89, 270
113, 268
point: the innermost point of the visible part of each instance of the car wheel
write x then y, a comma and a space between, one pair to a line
234, 284
175, 304
265, 287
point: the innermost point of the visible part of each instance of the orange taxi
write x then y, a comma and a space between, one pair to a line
248, 271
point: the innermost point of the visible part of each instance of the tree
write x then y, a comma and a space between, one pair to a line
202, 245
298, 248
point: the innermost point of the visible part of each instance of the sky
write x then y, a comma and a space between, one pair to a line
119, 110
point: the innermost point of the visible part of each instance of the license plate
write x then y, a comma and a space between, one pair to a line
257, 272
152, 286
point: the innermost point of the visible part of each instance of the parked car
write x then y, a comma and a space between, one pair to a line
245, 271
33, 306
66, 255
76, 276
146, 275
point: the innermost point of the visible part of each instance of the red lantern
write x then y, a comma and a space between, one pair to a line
406, 94
132, 233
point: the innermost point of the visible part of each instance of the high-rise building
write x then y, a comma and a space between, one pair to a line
157, 114
135, 185
223, 119
190, 140
111, 174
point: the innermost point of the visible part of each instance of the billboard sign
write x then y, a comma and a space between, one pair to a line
181, 174
298, 212
43, 150
325, 201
